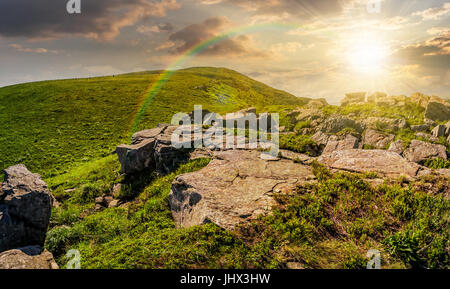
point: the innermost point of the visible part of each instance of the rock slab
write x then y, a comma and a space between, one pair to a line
236, 186
25, 207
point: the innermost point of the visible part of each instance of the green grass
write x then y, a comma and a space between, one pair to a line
52, 126
328, 224
299, 143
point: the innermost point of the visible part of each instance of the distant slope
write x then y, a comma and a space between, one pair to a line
51, 126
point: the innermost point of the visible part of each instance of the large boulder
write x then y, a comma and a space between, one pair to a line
420, 128
25, 207
419, 151
237, 186
380, 161
31, 257
337, 143
438, 111
336, 123
376, 139
137, 157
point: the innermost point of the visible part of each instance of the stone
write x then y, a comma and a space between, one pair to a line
136, 158
380, 161
140, 136
336, 143
113, 204
385, 123
420, 99
320, 138
297, 157
32, 257
419, 151
294, 266
25, 207
235, 187
336, 123
420, 128
438, 131
309, 114
352, 98
447, 129
437, 111
397, 147
427, 137
376, 139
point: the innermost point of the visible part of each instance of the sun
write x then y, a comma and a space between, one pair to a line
367, 55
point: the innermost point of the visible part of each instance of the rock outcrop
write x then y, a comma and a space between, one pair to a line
439, 131
25, 207
438, 111
235, 187
376, 139
397, 147
419, 151
337, 143
383, 162
354, 98
336, 123
32, 257
392, 124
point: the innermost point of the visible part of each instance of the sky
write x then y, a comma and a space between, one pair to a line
310, 48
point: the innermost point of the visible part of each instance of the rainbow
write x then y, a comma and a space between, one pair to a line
197, 49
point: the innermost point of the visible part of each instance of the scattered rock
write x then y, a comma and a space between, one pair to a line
397, 147
377, 140
309, 114
32, 257
420, 128
384, 162
427, 137
297, 157
447, 129
320, 138
438, 111
352, 98
336, 123
439, 131
419, 151
137, 157
336, 143
25, 207
237, 186
385, 123
294, 266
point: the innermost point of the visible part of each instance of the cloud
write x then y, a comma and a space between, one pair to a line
162, 27
194, 34
305, 8
99, 19
20, 48
434, 13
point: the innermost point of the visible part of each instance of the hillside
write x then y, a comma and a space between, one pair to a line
51, 126
370, 174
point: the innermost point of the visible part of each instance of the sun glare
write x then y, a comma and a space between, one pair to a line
367, 55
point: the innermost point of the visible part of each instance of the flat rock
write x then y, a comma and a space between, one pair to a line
32, 257
237, 186
397, 147
379, 161
419, 151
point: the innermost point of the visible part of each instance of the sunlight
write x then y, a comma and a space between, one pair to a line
367, 55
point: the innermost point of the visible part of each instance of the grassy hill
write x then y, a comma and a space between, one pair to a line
51, 126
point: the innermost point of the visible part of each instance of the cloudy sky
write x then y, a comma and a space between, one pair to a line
312, 48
